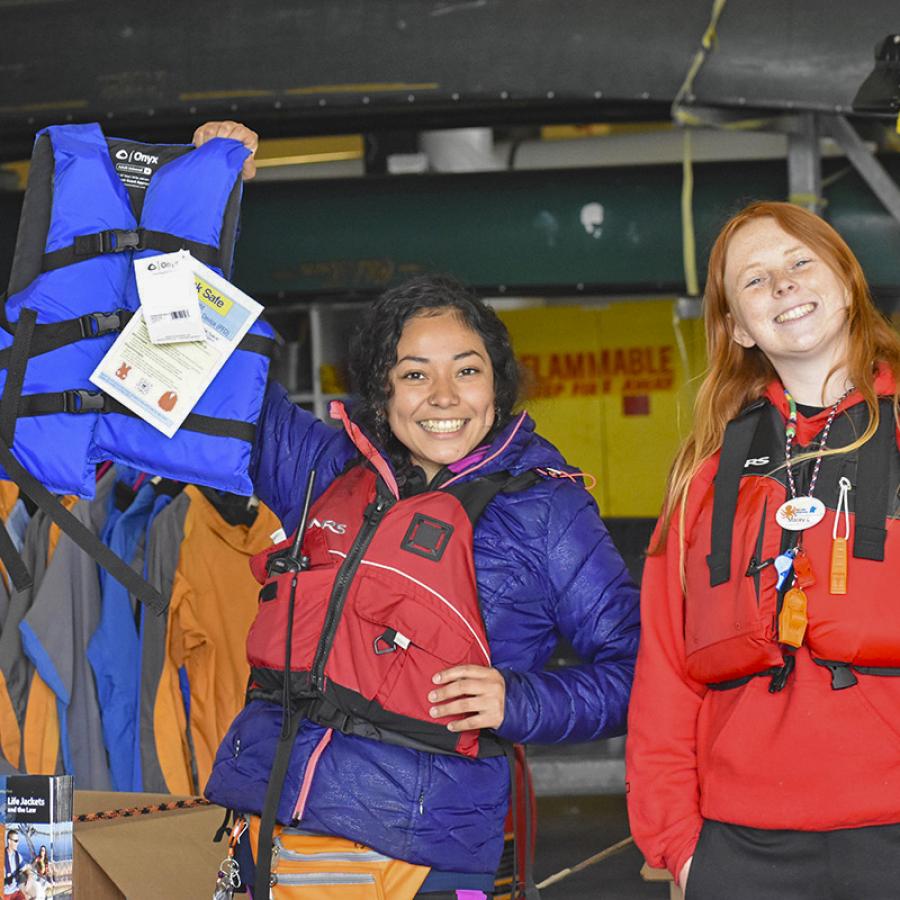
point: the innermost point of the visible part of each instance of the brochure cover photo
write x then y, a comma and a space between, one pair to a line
36, 834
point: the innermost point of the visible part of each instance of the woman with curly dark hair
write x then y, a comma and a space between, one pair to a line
435, 493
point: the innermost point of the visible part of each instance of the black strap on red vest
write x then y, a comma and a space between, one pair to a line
871, 507
870, 496
735, 445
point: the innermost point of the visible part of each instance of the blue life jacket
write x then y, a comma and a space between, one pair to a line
93, 204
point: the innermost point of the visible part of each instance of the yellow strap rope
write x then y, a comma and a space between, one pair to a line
706, 44
688, 240
686, 118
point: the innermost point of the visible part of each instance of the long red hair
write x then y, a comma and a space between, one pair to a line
736, 375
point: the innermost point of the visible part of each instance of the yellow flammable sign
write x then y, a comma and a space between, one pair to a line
611, 387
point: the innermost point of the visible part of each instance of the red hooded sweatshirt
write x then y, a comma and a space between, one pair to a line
808, 757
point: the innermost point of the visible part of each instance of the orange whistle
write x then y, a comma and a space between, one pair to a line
803, 569
838, 581
792, 619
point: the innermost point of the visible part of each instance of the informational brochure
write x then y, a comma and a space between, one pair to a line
162, 383
36, 834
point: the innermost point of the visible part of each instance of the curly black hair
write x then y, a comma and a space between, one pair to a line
373, 351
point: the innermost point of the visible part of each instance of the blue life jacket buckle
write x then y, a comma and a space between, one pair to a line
82, 401
114, 240
97, 324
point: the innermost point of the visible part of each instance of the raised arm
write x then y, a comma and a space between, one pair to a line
289, 442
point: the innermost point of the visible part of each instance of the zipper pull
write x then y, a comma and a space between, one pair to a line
755, 566
375, 509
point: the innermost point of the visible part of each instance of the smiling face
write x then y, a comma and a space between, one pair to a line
442, 401
785, 299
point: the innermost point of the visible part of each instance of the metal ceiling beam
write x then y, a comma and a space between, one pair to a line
805, 164
869, 168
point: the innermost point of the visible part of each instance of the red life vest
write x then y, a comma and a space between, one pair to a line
731, 599
389, 599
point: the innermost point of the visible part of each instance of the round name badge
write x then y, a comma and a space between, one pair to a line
800, 513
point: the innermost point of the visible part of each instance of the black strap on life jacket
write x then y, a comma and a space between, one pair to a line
736, 443
120, 240
870, 512
475, 495
30, 340
871, 496
69, 524
843, 673
54, 335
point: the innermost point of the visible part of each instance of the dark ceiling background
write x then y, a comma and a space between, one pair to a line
321, 66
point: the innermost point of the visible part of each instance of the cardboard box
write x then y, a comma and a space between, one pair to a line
145, 857
651, 874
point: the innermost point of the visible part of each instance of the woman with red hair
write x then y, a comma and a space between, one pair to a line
764, 730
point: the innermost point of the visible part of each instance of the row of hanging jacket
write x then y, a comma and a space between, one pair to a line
94, 684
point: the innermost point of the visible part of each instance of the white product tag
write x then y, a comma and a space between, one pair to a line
163, 382
169, 302
278, 536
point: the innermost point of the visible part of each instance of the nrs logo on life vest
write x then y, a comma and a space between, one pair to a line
329, 525
212, 298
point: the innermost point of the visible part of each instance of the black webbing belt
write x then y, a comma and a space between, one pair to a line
277, 776
120, 240
82, 401
54, 335
69, 524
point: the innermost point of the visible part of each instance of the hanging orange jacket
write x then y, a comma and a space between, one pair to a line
212, 605
40, 736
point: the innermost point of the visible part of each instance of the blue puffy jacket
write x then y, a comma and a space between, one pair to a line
545, 567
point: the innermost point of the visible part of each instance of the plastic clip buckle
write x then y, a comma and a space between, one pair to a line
119, 241
82, 401
97, 324
780, 677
